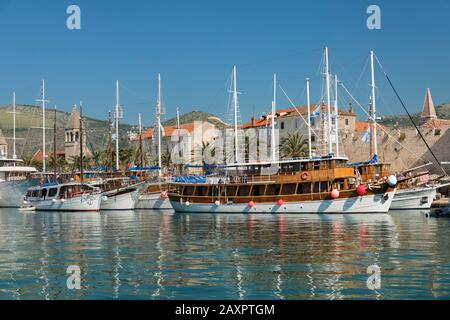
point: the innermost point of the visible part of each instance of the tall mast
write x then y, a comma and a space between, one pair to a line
327, 75
14, 126
336, 112
158, 123
141, 151
274, 107
110, 157
374, 115
81, 142
54, 146
43, 101
308, 101
236, 147
117, 124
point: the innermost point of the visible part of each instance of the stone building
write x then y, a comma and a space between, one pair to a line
72, 137
3, 146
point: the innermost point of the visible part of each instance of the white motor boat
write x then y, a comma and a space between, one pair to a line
72, 196
15, 180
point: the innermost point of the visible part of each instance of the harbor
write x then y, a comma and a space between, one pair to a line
173, 169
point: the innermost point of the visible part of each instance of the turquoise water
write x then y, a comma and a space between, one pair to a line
154, 255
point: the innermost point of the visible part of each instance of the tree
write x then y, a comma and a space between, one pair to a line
294, 146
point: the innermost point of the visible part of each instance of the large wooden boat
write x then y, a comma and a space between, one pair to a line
323, 185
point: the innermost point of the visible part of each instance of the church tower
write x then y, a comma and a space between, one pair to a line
428, 110
72, 137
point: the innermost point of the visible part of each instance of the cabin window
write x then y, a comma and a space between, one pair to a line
289, 188
316, 165
258, 190
244, 191
273, 189
231, 190
52, 192
202, 191
303, 188
189, 191
35, 193
43, 193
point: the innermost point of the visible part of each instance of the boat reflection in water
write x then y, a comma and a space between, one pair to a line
154, 255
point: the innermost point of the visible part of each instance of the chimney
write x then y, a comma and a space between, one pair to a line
253, 122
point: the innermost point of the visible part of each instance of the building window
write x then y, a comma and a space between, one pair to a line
282, 125
297, 123
346, 122
313, 122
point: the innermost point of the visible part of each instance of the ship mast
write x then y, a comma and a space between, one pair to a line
274, 106
141, 150
308, 102
117, 115
54, 147
14, 126
235, 101
110, 156
81, 142
336, 112
373, 131
327, 76
158, 123
43, 101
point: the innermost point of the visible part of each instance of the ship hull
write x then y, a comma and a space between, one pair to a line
12, 193
78, 204
377, 203
119, 201
153, 201
415, 198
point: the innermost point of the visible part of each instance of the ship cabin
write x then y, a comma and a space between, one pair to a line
304, 179
55, 191
12, 170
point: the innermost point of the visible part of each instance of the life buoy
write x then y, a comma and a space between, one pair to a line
304, 176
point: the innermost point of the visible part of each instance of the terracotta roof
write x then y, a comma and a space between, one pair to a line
436, 124
167, 131
303, 110
363, 125
38, 154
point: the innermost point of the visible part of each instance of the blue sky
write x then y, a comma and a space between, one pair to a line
194, 45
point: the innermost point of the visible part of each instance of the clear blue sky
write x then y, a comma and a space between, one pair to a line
194, 44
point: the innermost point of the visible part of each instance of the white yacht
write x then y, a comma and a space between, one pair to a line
72, 196
15, 180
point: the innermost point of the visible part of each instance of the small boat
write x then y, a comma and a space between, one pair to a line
118, 193
27, 208
15, 180
154, 197
72, 196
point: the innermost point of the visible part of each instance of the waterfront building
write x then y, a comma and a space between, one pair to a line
72, 137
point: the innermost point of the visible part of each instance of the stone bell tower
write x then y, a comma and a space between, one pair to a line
72, 137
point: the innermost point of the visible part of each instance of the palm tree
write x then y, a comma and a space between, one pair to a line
30, 161
294, 146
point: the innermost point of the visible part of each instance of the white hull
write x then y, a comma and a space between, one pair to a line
364, 204
415, 198
153, 201
12, 193
83, 203
124, 201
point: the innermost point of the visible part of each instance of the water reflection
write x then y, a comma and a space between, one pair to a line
160, 255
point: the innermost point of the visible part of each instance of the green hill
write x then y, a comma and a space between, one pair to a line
29, 132
442, 111
196, 116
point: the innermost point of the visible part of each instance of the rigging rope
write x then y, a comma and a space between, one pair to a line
409, 115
